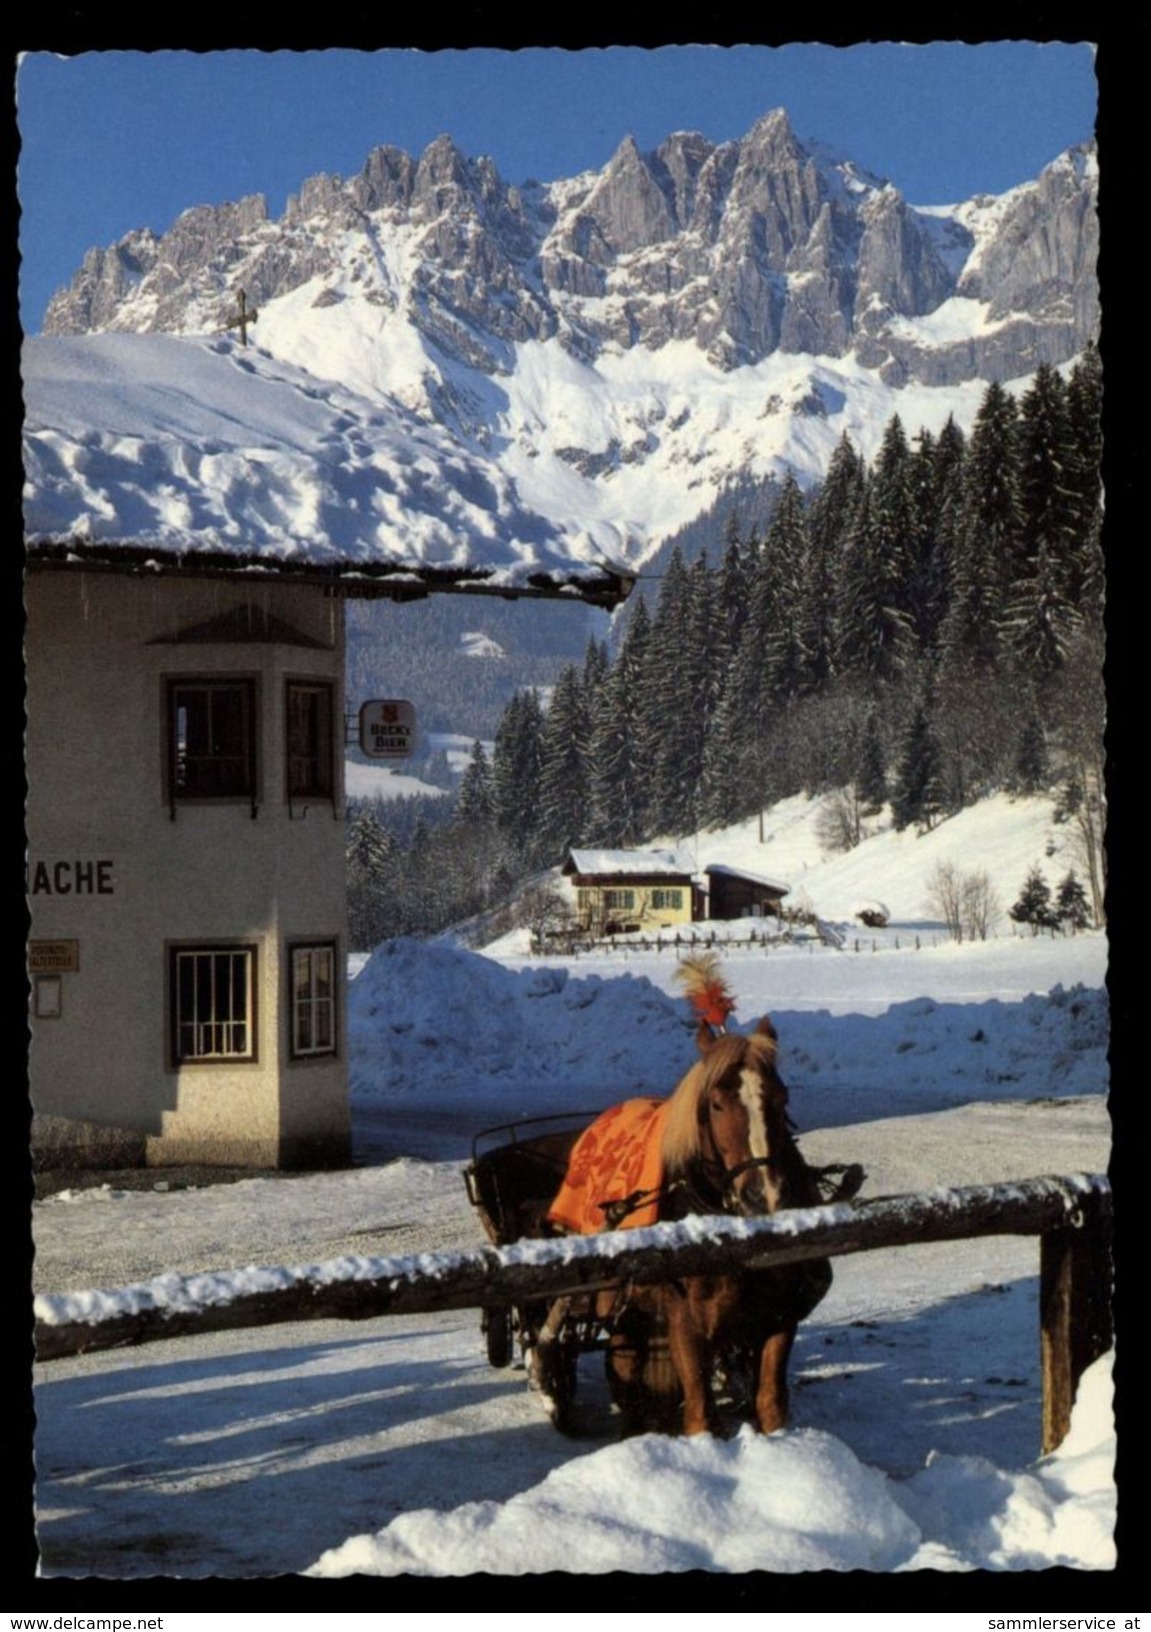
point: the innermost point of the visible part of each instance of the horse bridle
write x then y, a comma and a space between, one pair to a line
707, 1166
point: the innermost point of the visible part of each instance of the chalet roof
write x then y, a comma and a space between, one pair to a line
625, 863
751, 878
153, 453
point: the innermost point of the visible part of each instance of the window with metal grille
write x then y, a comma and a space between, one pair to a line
211, 739
213, 1003
308, 711
312, 971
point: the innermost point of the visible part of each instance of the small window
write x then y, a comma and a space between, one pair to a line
667, 900
211, 739
308, 711
619, 900
312, 971
213, 1003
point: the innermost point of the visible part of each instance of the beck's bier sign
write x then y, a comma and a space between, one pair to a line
388, 729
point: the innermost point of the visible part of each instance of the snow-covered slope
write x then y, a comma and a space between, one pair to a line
1004, 836
148, 441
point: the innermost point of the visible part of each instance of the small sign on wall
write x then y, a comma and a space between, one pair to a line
388, 729
53, 957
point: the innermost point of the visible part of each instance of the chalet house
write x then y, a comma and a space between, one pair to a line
733, 893
618, 892
185, 590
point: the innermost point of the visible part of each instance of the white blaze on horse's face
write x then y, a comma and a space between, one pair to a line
757, 1190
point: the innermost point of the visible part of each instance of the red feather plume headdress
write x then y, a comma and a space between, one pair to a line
706, 989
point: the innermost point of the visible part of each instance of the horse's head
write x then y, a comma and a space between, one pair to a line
743, 1117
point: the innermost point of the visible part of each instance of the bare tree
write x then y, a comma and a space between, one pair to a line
839, 824
1088, 827
543, 909
980, 905
966, 902
945, 896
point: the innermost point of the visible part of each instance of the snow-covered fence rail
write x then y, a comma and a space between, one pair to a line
1071, 1214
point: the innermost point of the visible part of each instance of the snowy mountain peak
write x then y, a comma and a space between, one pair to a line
623, 343
691, 241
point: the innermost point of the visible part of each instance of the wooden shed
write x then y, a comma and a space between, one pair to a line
733, 893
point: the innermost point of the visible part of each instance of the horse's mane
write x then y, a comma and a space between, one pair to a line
683, 1130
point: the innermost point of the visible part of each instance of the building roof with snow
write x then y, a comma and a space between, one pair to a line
772, 884
626, 864
153, 453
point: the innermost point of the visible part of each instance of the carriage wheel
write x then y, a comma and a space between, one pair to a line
559, 1388
497, 1324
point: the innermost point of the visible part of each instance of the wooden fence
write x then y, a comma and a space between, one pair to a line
575, 943
1071, 1215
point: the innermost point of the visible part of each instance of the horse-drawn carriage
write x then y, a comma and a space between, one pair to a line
513, 1178
721, 1143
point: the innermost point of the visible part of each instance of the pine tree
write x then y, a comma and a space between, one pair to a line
1034, 904
618, 765
369, 848
563, 784
986, 536
874, 628
1039, 623
871, 772
704, 652
1032, 767
743, 722
1071, 904
784, 566
595, 672
1047, 467
895, 514
733, 589
516, 772
918, 794
370, 858
1085, 411
937, 467
668, 699
830, 518
475, 803
1041, 620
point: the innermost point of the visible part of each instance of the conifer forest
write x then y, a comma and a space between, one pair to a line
909, 636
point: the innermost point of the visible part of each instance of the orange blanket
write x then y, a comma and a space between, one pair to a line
618, 1154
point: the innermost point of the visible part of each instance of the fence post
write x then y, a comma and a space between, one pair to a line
1074, 1313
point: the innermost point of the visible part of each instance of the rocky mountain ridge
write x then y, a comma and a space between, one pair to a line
744, 249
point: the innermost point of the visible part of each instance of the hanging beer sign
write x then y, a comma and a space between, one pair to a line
388, 729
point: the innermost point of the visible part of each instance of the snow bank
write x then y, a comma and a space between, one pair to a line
428, 1019
798, 1500
1062, 1512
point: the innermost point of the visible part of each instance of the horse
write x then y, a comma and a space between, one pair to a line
726, 1146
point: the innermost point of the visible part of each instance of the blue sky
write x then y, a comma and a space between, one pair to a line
113, 140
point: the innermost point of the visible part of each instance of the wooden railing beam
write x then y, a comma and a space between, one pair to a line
362, 1288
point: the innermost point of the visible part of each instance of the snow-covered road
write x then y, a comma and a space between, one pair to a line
916, 1383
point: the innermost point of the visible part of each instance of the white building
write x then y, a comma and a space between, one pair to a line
191, 536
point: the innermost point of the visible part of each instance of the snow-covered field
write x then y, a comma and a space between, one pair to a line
390, 1445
